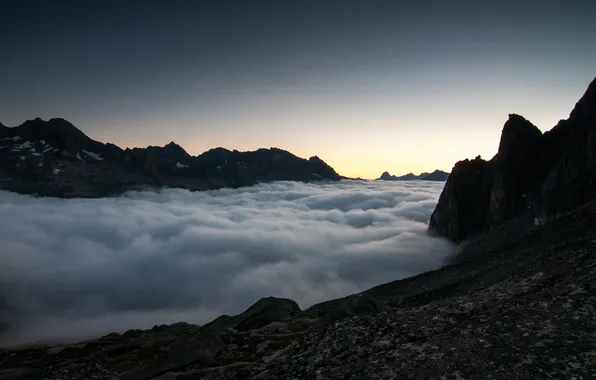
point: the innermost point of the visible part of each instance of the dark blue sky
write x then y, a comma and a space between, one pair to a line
367, 85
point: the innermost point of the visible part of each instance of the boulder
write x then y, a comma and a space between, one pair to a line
267, 310
262, 313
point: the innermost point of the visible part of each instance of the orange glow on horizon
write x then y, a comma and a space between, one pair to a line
357, 138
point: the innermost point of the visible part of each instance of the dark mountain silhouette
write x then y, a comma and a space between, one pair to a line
437, 175
534, 177
54, 158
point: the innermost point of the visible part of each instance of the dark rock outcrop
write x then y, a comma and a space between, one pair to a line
533, 178
515, 170
571, 158
463, 204
54, 158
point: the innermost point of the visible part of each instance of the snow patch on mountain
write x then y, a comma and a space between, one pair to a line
95, 156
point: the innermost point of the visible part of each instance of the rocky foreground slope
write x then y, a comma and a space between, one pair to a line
510, 307
54, 158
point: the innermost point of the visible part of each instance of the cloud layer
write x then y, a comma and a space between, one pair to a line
79, 267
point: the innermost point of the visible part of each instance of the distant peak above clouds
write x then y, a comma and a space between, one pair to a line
437, 175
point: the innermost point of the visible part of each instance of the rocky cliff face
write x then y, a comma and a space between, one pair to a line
514, 170
533, 178
571, 181
54, 158
463, 202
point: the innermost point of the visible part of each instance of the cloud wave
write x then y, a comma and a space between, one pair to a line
79, 267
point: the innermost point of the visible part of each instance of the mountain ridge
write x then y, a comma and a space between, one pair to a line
437, 175
55, 158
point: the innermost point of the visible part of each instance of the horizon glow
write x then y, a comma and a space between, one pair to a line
367, 88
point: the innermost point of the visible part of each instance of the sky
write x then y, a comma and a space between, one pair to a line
368, 86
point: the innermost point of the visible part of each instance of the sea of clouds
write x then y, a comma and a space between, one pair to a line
73, 268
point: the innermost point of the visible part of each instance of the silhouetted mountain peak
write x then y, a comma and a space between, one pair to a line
216, 155
586, 105
437, 175
58, 133
518, 117
218, 150
533, 178
57, 126
173, 147
519, 127
387, 177
36, 120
